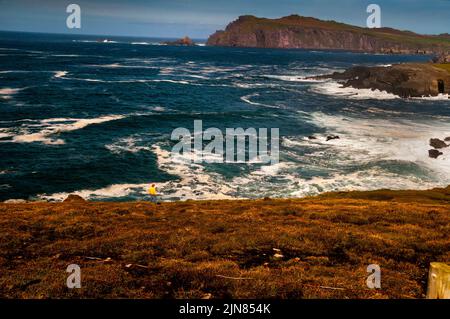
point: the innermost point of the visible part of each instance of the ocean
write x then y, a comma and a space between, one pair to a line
78, 116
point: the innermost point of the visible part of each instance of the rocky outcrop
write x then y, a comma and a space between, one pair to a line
441, 58
296, 32
74, 199
186, 41
434, 153
405, 80
437, 143
332, 137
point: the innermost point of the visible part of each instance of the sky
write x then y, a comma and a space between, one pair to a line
200, 18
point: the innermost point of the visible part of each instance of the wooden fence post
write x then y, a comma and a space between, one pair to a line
439, 281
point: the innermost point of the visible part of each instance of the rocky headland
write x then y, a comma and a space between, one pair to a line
297, 32
405, 80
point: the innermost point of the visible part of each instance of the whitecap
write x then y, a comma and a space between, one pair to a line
293, 78
7, 93
247, 98
60, 74
338, 90
58, 125
127, 144
440, 97
112, 191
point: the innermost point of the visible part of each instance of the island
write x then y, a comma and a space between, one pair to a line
186, 41
297, 32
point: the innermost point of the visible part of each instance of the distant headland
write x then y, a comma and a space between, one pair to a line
297, 32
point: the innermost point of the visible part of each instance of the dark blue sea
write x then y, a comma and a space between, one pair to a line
95, 118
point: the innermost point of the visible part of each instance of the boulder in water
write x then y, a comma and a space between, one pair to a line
437, 143
434, 153
332, 137
186, 41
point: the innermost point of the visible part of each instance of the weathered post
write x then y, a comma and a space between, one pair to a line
439, 281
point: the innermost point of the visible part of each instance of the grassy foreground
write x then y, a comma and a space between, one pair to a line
304, 248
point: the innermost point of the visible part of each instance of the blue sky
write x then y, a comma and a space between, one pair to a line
200, 18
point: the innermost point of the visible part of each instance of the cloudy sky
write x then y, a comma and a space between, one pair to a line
200, 18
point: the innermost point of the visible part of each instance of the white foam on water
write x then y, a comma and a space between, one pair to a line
60, 74
247, 99
293, 78
4, 135
371, 179
112, 191
193, 181
338, 90
171, 81
58, 125
7, 93
365, 140
127, 144
439, 97
182, 82
158, 109
118, 65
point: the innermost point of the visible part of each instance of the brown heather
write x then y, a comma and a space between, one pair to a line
225, 249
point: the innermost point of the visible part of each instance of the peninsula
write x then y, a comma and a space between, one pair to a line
297, 32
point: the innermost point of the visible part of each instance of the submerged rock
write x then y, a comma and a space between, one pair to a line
434, 153
437, 143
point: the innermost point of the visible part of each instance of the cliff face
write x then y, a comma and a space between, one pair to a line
296, 32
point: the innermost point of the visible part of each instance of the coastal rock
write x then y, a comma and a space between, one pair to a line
437, 143
442, 58
434, 153
405, 80
447, 139
332, 137
186, 41
74, 199
297, 32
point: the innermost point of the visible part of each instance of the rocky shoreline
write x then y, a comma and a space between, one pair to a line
405, 80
